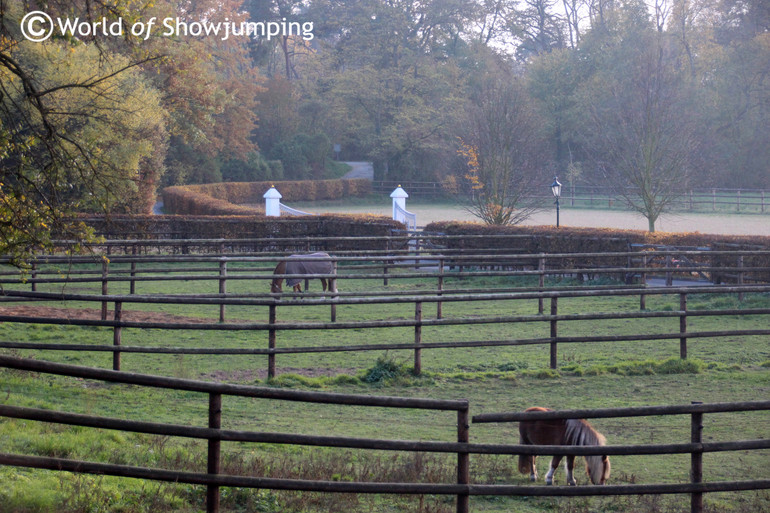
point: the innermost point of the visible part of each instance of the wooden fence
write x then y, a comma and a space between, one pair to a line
271, 328
463, 488
375, 266
728, 266
702, 200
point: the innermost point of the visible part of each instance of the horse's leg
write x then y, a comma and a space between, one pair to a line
554, 465
323, 284
570, 465
527, 464
532, 467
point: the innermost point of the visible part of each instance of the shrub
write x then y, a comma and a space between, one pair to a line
384, 370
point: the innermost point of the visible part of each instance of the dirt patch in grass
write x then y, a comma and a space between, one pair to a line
96, 314
224, 376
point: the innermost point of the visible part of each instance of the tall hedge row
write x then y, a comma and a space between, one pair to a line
549, 239
525, 240
253, 227
245, 198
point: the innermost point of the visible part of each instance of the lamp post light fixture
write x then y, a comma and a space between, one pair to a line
556, 190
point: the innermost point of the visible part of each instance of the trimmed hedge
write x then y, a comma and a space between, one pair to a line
253, 227
549, 239
245, 198
531, 240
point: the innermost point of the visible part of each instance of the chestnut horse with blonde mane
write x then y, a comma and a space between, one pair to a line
562, 432
297, 265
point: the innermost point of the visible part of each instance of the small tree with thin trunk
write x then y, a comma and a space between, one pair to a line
505, 155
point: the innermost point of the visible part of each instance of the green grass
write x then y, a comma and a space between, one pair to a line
492, 379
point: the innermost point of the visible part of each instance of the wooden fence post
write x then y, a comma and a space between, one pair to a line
271, 343
541, 283
105, 274
463, 460
669, 274
116, 335
683, 326
222, 287
418, 337
333, 286
385, 266
213, 467
643, 283
740, 276
696, 460
33, 275
132, 285
554, 330
439, 304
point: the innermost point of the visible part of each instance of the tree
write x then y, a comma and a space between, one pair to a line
80, 130
85, 121
730, 49
640, 132
538, 28
209, 88
506, 155
394, 95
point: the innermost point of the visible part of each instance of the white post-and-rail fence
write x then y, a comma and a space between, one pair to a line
400, 213
272, 327
274, 207
462, 488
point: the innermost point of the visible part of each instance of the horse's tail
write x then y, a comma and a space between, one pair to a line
525, 463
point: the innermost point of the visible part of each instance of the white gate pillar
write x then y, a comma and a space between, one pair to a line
272, 202
399, 196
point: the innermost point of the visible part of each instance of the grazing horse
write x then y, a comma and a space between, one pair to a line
303, 264
562, 432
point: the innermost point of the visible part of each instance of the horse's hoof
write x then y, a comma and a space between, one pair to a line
533, 478
549, 482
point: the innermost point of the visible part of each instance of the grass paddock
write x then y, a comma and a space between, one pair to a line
590, 375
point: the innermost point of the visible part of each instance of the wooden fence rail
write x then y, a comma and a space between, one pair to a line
215, 435
462, 488
696, 448
272, 327
712, 199
637, 266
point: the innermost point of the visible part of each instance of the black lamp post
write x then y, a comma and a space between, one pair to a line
556, 190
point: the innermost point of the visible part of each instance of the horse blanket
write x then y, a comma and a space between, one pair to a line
307, 264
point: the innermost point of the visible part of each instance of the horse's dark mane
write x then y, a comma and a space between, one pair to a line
580, 432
